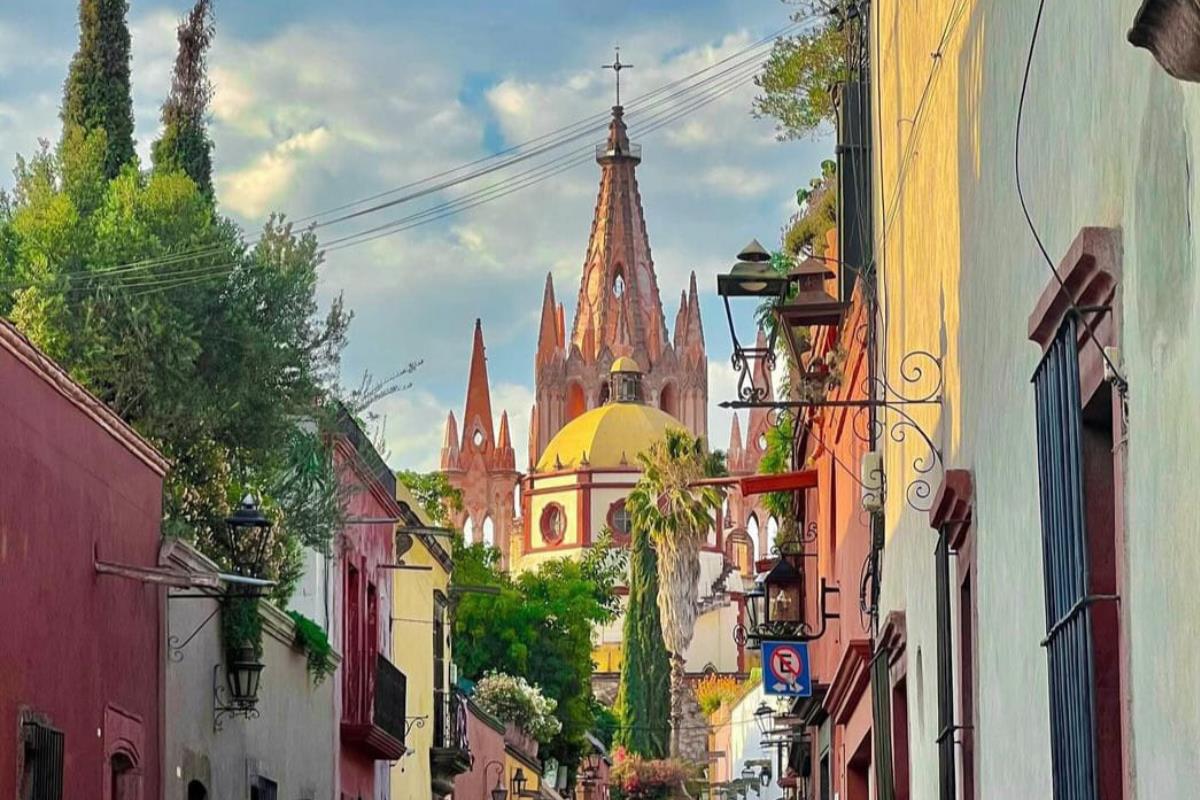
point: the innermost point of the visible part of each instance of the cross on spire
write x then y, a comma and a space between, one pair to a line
616, 67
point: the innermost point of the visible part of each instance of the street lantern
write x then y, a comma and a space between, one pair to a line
248, 532
784, 586
242, 677
500, 792
518, 782
763, 716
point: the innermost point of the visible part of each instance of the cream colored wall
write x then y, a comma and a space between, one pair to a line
412, 653
1109, 140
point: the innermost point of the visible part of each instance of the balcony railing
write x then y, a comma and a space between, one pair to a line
391, 691
451, 754
382, 736
604, 150
450, 721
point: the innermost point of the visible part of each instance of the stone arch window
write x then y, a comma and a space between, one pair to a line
478, 438
772, 531
489, 531
576, 400
469, 531
753, 532
123, 775
668, 399
604, 394
553, 523
618, 285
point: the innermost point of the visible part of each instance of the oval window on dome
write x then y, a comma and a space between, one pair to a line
553, 523
620, 522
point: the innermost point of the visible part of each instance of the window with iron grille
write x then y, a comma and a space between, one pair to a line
42, 766
1076, 480
881, 700
945, 670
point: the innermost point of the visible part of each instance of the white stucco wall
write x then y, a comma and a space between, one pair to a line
1109, 140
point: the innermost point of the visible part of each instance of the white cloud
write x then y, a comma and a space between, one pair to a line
734, 181
256, 189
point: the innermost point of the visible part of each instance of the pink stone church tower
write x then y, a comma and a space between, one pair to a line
481, 464
619, 313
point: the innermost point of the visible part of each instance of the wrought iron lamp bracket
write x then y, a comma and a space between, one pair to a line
415, 722
225, 707
176, 645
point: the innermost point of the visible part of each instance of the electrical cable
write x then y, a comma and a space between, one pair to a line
1119, 381
753, 51
478, 197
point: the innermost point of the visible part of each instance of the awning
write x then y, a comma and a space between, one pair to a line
781, 482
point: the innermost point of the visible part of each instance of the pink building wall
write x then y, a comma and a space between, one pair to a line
81, 650
486, 740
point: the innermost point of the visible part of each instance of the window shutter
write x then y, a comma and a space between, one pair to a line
881, 702
945, 671
1065, 560
44, 748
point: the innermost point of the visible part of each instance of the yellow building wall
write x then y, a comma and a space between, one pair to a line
412, 653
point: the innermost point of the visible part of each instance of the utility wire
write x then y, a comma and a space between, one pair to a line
530, 177
754, 51
1121, 384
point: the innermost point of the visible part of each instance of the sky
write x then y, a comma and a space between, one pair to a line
320, 104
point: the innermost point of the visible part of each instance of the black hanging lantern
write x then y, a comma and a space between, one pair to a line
518, 782
752, 276
243, 678
248, 533
784, 586
755, 598
763, 717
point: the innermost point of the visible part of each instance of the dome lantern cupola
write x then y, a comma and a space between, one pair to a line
625, 381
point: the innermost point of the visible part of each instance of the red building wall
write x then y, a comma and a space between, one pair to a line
364, 596
81, 650
487, 748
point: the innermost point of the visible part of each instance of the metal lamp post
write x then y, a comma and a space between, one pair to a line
248, 534
518, 783
500, 792
763, 716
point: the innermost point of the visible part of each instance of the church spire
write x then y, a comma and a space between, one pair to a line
478, 431
450, 443
618, 268
505, 457
549, 339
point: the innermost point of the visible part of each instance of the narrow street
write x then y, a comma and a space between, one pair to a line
353, 445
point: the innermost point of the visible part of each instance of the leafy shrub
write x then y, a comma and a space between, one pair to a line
315, 643
635, 778
513, 699
714, 690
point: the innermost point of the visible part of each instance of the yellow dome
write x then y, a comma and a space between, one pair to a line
606, 436
625, 364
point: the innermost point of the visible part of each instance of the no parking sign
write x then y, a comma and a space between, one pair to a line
785, 669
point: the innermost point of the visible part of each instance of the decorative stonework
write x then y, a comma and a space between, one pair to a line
619, 313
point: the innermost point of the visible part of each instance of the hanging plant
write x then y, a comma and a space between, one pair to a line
241, 626
314, 643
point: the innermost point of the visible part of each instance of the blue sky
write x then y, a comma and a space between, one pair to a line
319, 104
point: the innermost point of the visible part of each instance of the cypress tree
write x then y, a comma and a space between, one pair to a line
184, 144
644, 692
97, 94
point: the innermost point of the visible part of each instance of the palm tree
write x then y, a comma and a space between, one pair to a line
677, 514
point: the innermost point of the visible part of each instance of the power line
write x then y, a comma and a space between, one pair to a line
574, 132
741, 74
1119, 382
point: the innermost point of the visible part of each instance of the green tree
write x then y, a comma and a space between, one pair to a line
798, 78
643, 705
537, 625
97, 92
184, 144
677, 514
438, 498
213, 357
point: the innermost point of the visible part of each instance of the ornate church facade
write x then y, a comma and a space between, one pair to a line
603, 394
